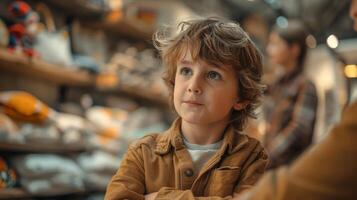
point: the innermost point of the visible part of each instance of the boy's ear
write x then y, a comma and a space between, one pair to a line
240, 105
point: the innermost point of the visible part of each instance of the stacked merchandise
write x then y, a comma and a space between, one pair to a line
137, 68
26, 120
22, 115
105, 132
115, 129
51, 162
47, 173
32, 32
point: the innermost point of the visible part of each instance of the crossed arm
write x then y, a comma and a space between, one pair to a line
129, 181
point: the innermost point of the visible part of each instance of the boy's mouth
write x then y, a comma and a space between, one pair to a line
195, 103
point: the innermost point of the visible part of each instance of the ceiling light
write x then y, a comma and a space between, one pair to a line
332, 41
282, 22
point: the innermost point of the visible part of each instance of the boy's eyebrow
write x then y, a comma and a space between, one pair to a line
186, 62
223, 68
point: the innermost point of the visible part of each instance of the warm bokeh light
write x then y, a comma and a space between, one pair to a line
311, 41
351, 71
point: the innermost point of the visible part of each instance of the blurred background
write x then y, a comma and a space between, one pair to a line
80, 80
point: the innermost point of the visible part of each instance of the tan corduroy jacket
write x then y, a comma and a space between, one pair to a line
161, 163
328, 171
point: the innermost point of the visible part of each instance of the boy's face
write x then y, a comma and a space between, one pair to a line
204, 94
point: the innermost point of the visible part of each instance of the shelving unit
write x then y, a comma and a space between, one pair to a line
65, 81
18, 193
77, 8
122, 26
49, 72
53, 148
137, 93
13, 193
58, 148
24, 66
128, 28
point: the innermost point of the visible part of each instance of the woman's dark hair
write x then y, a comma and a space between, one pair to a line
294, 33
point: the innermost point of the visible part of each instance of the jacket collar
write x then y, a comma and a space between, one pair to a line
169, 138
172, 139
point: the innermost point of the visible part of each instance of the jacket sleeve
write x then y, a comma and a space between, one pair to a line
252, 171
128, 182
297, 131
173, 194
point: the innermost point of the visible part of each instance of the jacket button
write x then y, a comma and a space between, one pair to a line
189, 172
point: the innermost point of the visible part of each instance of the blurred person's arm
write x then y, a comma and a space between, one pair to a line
299, 129
327, 171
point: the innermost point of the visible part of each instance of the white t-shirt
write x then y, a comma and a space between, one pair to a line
200, 154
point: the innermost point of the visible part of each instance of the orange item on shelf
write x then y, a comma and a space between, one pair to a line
22, 106
107, 80
108, 134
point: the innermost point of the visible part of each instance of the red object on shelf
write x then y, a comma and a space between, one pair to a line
31, 53
19, 9
8, 176
18, 30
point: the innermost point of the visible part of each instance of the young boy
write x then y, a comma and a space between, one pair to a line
213, 72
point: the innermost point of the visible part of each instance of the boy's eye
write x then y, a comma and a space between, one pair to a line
214, 75
185, 71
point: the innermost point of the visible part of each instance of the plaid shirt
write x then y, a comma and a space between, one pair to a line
290, 115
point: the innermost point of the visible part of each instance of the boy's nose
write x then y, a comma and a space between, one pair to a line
194, 90
194, 86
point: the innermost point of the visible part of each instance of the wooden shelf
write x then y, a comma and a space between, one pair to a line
137, 93
13, 193
97, 16
43, 148
130, 29
19, 193
63, 76
25, 66
79, 8
124, 28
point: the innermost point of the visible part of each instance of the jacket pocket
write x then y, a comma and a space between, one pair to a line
223, 181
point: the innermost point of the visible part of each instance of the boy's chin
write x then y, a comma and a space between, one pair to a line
193, 120
198, 120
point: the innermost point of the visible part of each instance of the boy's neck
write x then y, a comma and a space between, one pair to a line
203, 134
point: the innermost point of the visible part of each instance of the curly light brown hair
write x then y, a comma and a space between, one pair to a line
217, 42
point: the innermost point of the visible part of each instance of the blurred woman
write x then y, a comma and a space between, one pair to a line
292, 100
